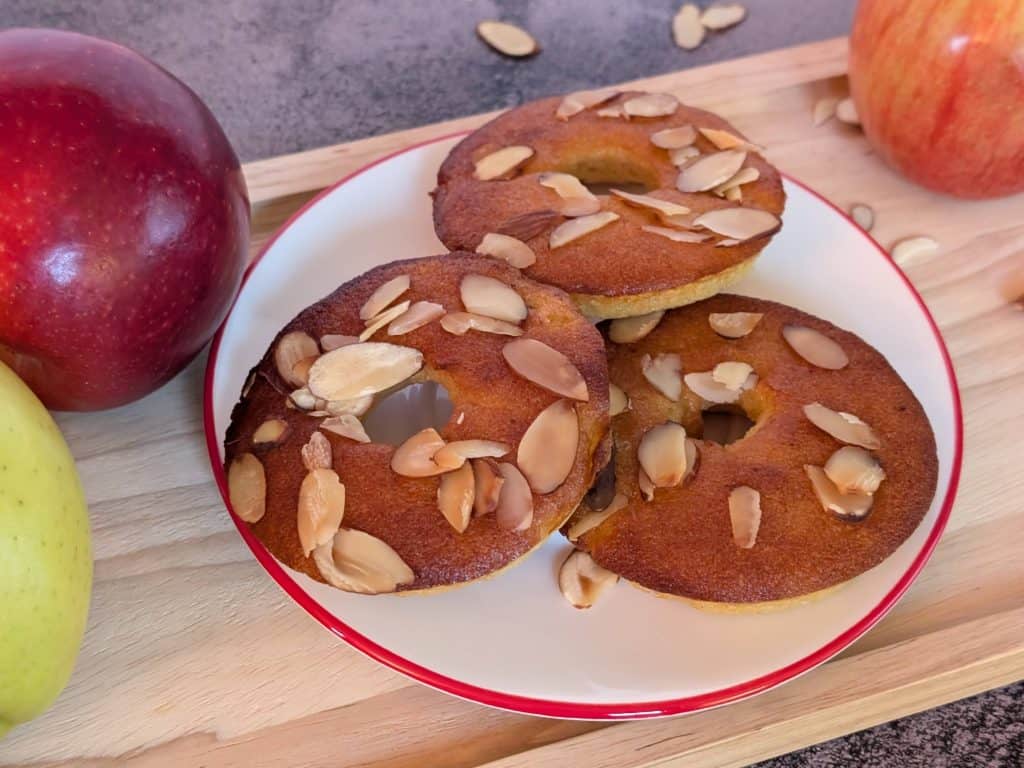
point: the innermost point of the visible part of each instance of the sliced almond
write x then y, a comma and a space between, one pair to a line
270, 431
735, 195
362, 369
575, 207
727, 243
743, 176
454, 454
687, 30
663, 207
455, 497
582, 581
846, 506
508, 249
824, 110
546, 367
683, 155
574, 103
614, 111
487, 483
645, 485
854, 470
459, 323
515, 501
676, 235
415, 457
651, 105
739, 223
692, 458
708, 389
734, 325
247, 487
708, 171
727, 140
863, 216
290, 349
912, 249
321, 507
384, 318
316, 453
489, 297
618, 400
815, 347
745, 515
355, 407
732, 375
574, 229
591, 520
384, 296
346, 425
674, 138
507, 39
662, 454
501, 163
300, 371
303, 399
846, 112
719, 17
664, 372
418, 315
843, 426
529, 225
358, 562
565, 185
331, 341
626, 330
547, 450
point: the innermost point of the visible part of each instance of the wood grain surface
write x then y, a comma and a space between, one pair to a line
194, 657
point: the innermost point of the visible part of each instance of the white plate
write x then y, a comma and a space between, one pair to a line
513, 641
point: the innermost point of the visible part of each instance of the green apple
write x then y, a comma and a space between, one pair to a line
45, 556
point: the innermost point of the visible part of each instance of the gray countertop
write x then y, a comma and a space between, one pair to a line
285, 76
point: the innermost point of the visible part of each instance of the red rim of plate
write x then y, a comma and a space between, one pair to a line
569, 709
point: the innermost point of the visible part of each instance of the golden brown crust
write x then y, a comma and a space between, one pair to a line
681, 543
497, 405
620, 260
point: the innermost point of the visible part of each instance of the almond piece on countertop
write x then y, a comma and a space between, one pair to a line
592, 520
384, 318
383, 297
687, 29
501, 162
618, 400
455, 497
290, 349
418, 315
459, 323
456, 453
913, 248
270, 431
346, 425
574, 229
815, 347
824, 110
515, 502
547, 450
651, 105
664, 372
247, 488
674, 138
846, 506
321, 507
854, 470
626, 330
415, 457
722, 16
738, 222
363, 369
358, 562
487, 483
508, 249
745, 515
843, 426
582, 581
489, 297
546, 367
708, 171
734, 325
507, 39
316, 453
662, 454
574, 103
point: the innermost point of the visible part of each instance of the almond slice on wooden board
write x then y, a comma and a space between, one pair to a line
704, 386
739, 223
722, 16
674, 138
645, 485
574, 229
732, 375
383, 297
815, 347
845, 506
682, 155
362, 369
913, 248
316, 453
824, 110
546, 367
454, 454
331, 341
846, 112
663, 207
574, 103
384, 318
662, 454
270, 431
664, 373
515, 501
582, 581
507, 39
321, 507
708, 171
734, 325
415, 457
547, 450
863, 216
247, 487
626, 330
651, 105
356, 407
501, 162
565, 185
455, 496
854, 470
592, 520
687, 29
618, 400
843, 426
508, 249
487, 296
460, 323
529, 225
418, 315
290, 349
676, 235
355, 561
745, 515
487, 483
743, 176
346, 425
723, 139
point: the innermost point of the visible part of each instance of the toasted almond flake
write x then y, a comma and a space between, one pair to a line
575, 207
574, 103
547, 450
662, 454
663, 207
300, 371
843, 426
912, 249
742, 176
487, 483
270, 431
626, 330
508, 249
362, 369
824, 110
355, 407
546, 367
745, 515
507, 39
719, 17
316, 453
707, 388
687, 30
384, 318
515, 501
346, 425
846, 506
461, 418
692, 458
708, 171
682, 155
455, 497
415, 457
529, 225
682, 222
418, 315
618, 399
735, 195
863, 216
303, 399
613, 111
383, 297
846, 112
815, 347
732, 374
565, 185
676, 235
674, 138
321, 507
728, 140
734, 325
582, 581
664, 372
592, 520
247, 487
489, 297
290, 349
739, 223
574, 229
332, 341
355, 561
502, 162
854, 470
459, 323
455, 453
645, 485
651, 105
727, 243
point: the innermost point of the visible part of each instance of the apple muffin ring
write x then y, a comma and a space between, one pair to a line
712, 202
527, 379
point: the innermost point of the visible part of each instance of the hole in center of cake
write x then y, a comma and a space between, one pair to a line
403, 413
725, 424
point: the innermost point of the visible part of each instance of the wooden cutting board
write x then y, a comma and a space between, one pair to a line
193, 655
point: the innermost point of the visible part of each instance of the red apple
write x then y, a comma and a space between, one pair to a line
124, 220
939, 87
